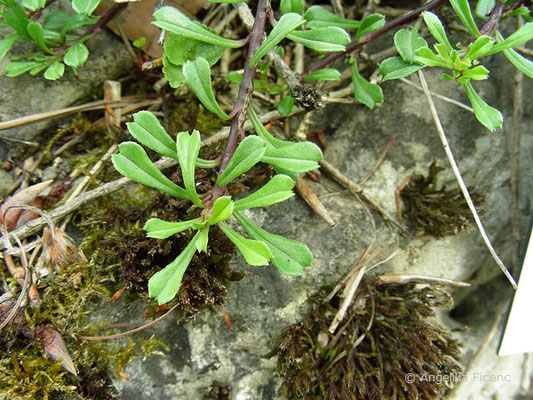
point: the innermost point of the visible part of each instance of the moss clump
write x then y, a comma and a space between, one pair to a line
361, 363
437, 212
67, 300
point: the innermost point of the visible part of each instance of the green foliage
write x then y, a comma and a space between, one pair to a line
367, 93
328, 39
58, 43
287, 23
370, 24
319, 17
324, 74
132, 161
292, 6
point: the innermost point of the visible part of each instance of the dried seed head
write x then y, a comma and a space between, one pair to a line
59, 249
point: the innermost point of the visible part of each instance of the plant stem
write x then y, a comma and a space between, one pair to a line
356, 45
494, 17
104, 20
239, 110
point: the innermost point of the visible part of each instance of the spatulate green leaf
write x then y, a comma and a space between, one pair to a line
523, 64
165, 284
247, 154
297, 157
188, 147
35, 30
396, 68
522, 35
147, 129
198, 77
367, 93
489, 117
407, 42
289, 256
480, 47
33, 5
328, 39
253, 251
437, 30
278, 189
77, 55
286, 105
173, 20
203, 238
462, 9
133, 162
222, 210
54, 71
286, 24
160, 229
369, 24
6, 44
319, 17
324, 74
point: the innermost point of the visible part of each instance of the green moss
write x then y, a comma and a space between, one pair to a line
437, 211
403, 338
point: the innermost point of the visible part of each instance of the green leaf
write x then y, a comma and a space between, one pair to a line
523, 64
85, 7
253, 251
133, 163
480, 47
65, 22
367, 93
173, 72
319, 17
396, 68
164, 284
54, 71
139, 42
484, 7
294, 6
322, 39
286, 23
436, 29
159, 229
324, 74
203, 238
235, 77
371, 23
173, 20
5, 44
462, 9
286, 105
477, 73
427, 57
33, 5
407, 42
147, 129
297, 157
289, 256
198, 77
188, 147
278, 189
16, 18
201, 163
76, 55
247, 154
35, 30
522, 35
18, 68
489, 117
263, 133
222, 210
228, 1
180, 49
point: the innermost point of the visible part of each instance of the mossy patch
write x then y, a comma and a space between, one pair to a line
388, 332
437, 211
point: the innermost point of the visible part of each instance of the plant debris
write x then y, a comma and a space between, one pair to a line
437, 211
388, 332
